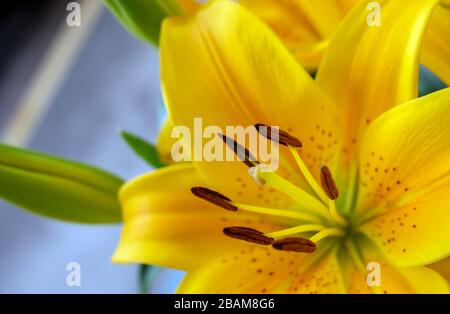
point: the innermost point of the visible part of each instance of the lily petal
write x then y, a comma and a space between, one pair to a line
229, 68
324, 276
298, 24
281, 16
164, 224
423, 280
369, 69
436, 50
442, 267
393, 280
165, 142
405, 174
261, 270
250, 269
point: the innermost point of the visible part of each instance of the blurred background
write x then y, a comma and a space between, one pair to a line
68, 91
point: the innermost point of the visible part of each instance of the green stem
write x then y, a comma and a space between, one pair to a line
147, 275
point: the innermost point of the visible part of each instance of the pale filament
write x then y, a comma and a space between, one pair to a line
277, 212
295, 230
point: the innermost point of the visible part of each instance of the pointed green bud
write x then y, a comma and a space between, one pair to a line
57, 188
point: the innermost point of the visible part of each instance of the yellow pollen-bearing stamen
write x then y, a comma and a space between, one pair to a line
277, 212
278, 135
295, 244
247, 234
304, 199
295, 230
328, 183
293, 143
330, 232
221, 200
308, 175
331, 190
243, 153
213, 197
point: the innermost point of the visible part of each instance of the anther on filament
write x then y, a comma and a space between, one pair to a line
243, 153
221, 200
277, 135
295, 244
331, 190
328, 183
213, 197
247, 234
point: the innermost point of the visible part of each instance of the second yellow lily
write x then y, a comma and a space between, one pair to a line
306, 27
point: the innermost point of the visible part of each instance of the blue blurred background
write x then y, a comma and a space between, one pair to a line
110, 83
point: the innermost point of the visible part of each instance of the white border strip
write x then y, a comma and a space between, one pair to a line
49, 76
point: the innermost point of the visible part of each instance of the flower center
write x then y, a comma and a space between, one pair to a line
316, 215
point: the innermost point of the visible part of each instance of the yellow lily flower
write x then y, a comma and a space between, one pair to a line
369, 185
306, 28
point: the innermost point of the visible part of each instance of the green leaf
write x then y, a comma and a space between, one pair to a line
58, 188
145, 150
143, 18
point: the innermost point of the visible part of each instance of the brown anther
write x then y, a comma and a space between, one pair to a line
243, 153
213, 197
328, 184
247, 234
284, 138
295, 244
